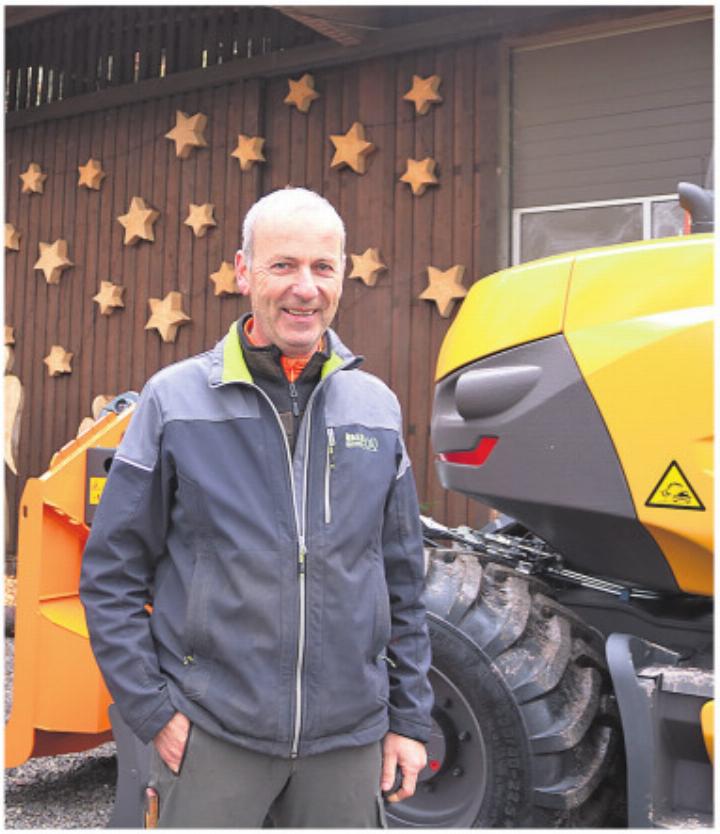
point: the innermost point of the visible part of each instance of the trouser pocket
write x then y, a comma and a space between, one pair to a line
382, 819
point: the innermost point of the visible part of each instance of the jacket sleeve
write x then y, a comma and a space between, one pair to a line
126, 540
411, 695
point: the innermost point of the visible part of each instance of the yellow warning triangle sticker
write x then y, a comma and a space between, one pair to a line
673, 491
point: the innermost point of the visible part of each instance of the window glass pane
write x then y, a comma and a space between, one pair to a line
668, 219
552, 232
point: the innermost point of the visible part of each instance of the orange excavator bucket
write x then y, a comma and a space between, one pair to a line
60, 702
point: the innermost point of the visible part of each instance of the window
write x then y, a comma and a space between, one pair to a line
549, 230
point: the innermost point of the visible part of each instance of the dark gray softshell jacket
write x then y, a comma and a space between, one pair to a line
285, 592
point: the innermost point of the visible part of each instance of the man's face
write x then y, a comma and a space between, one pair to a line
294, 280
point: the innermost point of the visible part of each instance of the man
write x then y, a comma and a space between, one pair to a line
263, 503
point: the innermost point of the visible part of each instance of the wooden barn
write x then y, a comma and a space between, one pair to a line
455, 139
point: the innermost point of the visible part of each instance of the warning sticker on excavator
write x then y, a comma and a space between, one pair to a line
673, 491
97, 485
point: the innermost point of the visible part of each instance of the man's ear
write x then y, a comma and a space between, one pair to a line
241, 274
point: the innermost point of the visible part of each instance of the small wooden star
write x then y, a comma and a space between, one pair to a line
91, 174
352, 149
58, 361
200, 218
12, 237
167, 315
367, 266
302, 93
424, 92
138, 222
187, 133
9, 335
53, 260
33, 179
110, 296
419, 174
249, 151
224, 280
444, 287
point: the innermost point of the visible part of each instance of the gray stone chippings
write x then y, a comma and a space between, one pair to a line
76, 790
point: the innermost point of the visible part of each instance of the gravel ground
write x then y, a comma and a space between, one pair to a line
76, 790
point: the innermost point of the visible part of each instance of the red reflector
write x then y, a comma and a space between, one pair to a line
471, 457
434, 764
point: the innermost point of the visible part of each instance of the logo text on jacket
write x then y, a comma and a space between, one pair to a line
358, 440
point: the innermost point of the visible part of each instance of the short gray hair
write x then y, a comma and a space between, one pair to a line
285, 200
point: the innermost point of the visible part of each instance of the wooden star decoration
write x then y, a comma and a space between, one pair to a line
249, 151
424, 93
12, 237
444, 287
53, 260
302, 93
109, 297
352, 149
138, 222
58, 361
419, 174
200, 218
167, 315
187, 133
91, 175
9, 335
224, 280
367, 266
33, 179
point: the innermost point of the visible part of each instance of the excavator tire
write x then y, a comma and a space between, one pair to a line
525, 730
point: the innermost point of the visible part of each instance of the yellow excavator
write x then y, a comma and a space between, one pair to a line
573, 635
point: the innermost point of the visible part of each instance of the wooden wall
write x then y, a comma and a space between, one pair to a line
399, 334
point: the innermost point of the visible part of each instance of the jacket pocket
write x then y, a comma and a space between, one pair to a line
381, 635
329, 466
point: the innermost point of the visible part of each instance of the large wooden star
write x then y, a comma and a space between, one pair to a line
444, 287
33, 179
352, 149
58, 361
91, 174
109, 297
249, 151
187, 133
167, 315
53, 260
424, 92
302, 93
367, 266
200, 218
224, 280
138, 222
12, 237
419, 174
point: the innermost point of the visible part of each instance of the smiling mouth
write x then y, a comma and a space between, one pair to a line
303, 313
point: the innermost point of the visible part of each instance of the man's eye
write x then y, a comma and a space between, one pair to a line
323, 267
281, 265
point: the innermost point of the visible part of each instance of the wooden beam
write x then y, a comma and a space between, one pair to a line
18, 15
487, 21
338, 32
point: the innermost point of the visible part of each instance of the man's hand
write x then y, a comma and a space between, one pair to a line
170, 741
410, 756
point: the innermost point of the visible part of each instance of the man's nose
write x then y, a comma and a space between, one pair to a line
305, 286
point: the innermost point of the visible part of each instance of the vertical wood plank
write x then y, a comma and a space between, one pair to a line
402, 264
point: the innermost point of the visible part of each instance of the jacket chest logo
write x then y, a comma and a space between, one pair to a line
358, 440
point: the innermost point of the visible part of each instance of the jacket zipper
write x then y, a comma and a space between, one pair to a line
329, 466
302, 552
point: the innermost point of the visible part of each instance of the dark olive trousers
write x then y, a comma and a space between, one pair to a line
221, 785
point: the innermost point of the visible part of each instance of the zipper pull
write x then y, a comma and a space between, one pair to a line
301, 559
188, 660
331, 447
294, 400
